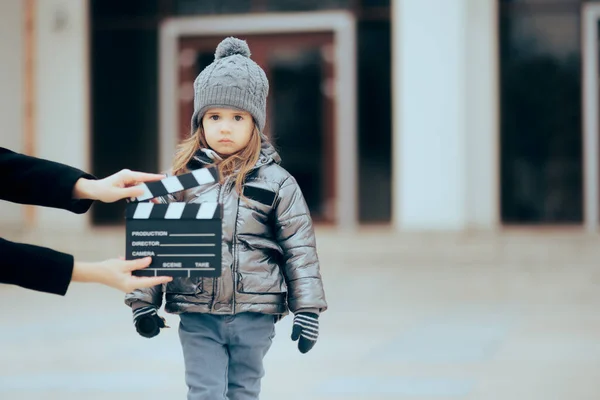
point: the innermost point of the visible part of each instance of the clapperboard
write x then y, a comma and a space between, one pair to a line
183, 239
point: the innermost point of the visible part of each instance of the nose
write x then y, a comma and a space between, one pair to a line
225, 127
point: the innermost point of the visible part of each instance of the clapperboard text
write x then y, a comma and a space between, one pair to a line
184, 240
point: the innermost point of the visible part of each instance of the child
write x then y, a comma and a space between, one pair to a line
269, 258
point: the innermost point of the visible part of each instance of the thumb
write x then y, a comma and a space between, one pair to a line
296, 331
140, 263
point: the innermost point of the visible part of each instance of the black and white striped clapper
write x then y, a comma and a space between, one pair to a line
174, 184
183, 239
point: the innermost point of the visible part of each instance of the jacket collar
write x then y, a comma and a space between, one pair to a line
268, 151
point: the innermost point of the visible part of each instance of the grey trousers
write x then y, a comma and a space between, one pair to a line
224, 354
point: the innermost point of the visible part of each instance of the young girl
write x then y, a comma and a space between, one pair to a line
269, 258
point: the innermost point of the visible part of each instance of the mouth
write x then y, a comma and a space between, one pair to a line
225, 141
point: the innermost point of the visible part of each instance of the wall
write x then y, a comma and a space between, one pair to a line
11, 92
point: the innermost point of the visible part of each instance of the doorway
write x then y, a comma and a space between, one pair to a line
300, 121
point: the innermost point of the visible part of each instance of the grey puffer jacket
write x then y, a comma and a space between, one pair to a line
269, 257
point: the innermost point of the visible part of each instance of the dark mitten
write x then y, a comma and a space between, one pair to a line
147, 322
306, 328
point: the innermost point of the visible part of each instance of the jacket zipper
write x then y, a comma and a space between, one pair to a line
234, 271
235, 260
226, 191
234, 268
215, 286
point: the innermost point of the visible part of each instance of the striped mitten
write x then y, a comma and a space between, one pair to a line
306, 328
147, 322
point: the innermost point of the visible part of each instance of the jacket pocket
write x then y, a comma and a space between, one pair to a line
187, 286
261, 283
258, 243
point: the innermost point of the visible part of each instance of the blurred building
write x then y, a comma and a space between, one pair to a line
422, 114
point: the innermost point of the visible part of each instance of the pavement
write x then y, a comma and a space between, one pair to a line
507, 315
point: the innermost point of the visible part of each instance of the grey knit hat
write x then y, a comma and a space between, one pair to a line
232, 80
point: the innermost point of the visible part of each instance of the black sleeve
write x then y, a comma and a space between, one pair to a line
34, 267
30, 180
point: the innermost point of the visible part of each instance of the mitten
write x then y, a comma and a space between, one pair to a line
147, 322
306, 328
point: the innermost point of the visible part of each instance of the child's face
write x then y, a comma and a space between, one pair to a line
227, 131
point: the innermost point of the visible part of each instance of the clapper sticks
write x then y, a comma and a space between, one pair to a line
183, 239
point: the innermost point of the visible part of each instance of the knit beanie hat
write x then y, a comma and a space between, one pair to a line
233, 80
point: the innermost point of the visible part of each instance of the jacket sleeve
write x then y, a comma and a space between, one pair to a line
30, 180
34, 267
295, 234
145, 297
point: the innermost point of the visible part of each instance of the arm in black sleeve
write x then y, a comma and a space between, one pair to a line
30, 180
34, 267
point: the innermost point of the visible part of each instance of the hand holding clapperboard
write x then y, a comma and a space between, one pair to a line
183, 239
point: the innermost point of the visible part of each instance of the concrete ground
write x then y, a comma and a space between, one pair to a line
470, 316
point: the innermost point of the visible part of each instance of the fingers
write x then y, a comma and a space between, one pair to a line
128, 183
304, 345
146, 177
140, 263
132, 192
147, 282
296, 331
122, 185
129, 177
144, 282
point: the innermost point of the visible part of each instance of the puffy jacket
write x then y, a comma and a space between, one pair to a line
269, 256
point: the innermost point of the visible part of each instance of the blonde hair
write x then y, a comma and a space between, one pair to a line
237, 165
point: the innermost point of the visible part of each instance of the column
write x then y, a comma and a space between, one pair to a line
483, 121
444, 114
62, 87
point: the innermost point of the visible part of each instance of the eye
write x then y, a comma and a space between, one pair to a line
238, 118
214, 117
